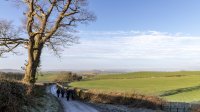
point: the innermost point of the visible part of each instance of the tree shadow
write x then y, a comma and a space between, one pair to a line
180, 90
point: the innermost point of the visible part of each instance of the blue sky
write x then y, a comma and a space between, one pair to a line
160, 15
128, 34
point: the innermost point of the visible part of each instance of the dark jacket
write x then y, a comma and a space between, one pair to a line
58, 91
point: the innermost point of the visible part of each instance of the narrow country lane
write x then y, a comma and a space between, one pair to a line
72, 106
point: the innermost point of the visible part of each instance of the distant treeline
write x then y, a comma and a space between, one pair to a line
67, 77
11, 76
60, 76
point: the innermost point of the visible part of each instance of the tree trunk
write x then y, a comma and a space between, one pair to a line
34, 53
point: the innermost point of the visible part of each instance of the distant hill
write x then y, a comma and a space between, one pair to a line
99, 72
11, 70
89, 72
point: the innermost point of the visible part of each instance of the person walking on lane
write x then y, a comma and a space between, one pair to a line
68, 94
58, 92
62, 92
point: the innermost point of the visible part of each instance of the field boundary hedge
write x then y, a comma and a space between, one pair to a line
130, 100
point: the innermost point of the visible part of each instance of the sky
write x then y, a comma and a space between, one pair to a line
134, 35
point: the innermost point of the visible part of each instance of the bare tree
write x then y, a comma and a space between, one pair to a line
9, 37
47, 23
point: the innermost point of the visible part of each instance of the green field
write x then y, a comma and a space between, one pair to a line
47, 76
172, 86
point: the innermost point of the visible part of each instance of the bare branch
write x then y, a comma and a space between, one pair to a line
48, 23
30, 16
9, 38
59, 19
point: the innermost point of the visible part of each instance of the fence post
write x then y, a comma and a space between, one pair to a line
177, 109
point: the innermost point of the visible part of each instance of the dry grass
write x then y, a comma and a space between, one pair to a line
131, 100
196, 108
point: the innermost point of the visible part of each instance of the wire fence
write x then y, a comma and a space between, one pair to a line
180, 107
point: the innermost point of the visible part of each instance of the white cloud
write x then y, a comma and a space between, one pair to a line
142, 50
141, 45
129, 47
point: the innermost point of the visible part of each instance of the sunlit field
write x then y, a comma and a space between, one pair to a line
172, 86
47, 77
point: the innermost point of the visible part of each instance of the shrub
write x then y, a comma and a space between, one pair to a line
131, 100
11, 76
12, 96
